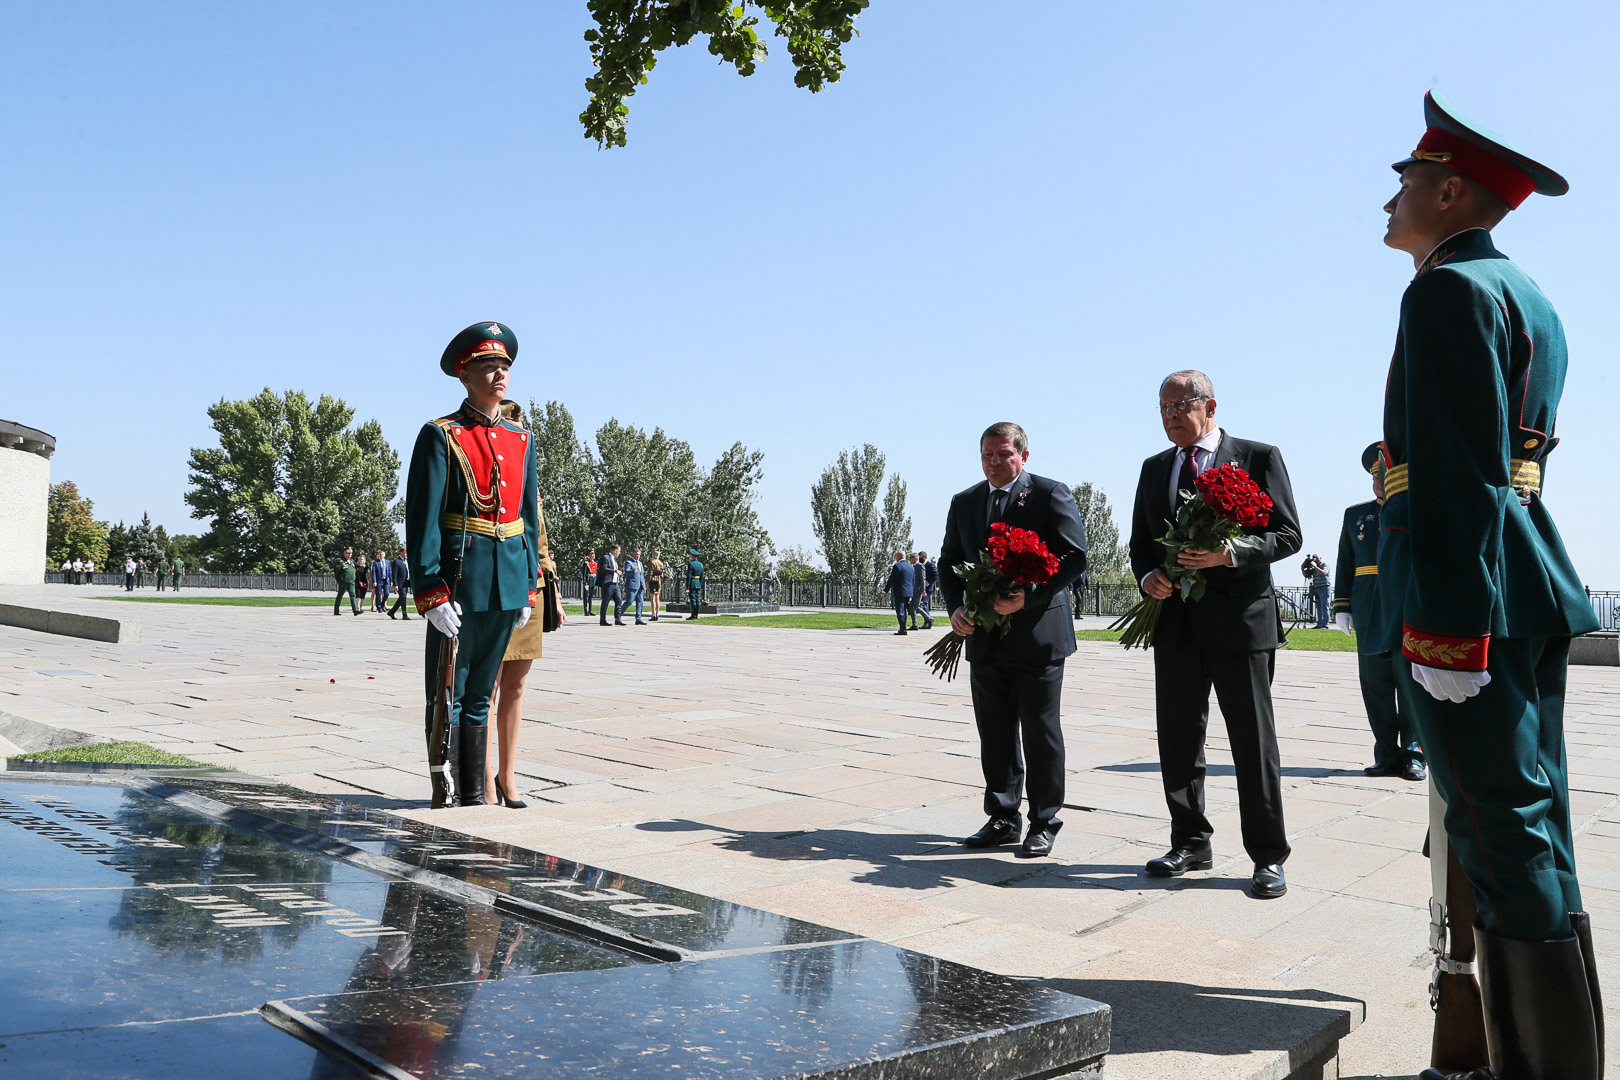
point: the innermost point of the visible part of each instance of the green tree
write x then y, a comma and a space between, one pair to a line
798, 564
71, 529
117, 544
564, 465
646, 487
629, 35
291, 484
144, 541
857, 539
723, 523
1107, 562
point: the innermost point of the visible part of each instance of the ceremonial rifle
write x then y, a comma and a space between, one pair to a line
1459, 1014
444, 686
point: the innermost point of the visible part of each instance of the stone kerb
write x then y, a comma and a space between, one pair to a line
71, 624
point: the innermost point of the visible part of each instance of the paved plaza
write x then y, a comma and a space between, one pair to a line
827, 776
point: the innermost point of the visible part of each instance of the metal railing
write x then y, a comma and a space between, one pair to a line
1606, 606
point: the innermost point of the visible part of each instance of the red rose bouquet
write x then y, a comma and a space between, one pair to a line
1227, 502
1015, 558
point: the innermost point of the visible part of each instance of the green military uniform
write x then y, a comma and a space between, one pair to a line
179, 573
344, 573
162, 574
694, 582
1355, 592
1480, 600
140, 573
472, 527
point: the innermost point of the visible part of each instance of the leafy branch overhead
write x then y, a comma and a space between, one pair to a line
629, 35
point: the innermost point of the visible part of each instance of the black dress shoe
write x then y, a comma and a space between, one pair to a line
1474, 1074
1380, 769
1179, 860
996, 831
1414, 770
1268, 882
900, 633
1038, 842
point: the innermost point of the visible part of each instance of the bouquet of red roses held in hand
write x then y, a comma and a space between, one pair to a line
1014, 560
1227, 502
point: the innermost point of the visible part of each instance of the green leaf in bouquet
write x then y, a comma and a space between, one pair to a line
1198, 588
1187, 584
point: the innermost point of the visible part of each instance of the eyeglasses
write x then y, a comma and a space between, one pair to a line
1183, 407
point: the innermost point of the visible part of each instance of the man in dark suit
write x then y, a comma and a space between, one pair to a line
607, 580
900, 588
1228, 639
1017, 679
400, 571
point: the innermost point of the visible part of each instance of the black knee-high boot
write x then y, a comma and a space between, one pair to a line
1539, 1011
472, 746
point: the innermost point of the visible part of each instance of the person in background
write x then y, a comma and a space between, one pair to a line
343, 572
129, 574
1316, 573
655, 581
89, 571
399, 571
694, 582
67, 571
140, 573
607, 579
930, 580
587, 574
902, 580
919, 586
179, 573
381, 578
362, 576
163, 569
635, 585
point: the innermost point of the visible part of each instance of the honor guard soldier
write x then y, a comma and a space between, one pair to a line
1476, 593
1355, 591
694, 581
472, 527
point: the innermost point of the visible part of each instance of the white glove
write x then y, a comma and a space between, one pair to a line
1343, 623
446, 618
1444, 684
522, 618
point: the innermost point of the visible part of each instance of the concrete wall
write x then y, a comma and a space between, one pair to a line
25, 481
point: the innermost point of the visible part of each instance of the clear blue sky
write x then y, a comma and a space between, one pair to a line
1026, 212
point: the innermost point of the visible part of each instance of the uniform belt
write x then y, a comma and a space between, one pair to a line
1523, 476
500, 530
1363, 571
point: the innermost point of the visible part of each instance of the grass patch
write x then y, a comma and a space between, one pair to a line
810, 620
273, 601
1298, 640
112, 753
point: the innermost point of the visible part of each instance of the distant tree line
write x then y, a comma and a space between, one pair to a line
73, 532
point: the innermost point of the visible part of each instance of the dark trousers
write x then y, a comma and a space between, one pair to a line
482, 642
1498, 760
610, 603
902, 605
343, 587
1183, 675
399, 602
586, 591
1324, 600
1017, 704
1394, 739
129, 582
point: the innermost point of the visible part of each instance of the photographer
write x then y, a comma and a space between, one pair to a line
1316, 573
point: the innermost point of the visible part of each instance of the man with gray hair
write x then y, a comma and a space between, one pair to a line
1227, 640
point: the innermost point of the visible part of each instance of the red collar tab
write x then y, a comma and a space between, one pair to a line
482, 349
1498, 175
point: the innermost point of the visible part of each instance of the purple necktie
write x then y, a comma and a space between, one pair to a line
1188, 480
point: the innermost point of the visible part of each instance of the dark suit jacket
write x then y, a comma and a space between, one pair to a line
1043, 632
607, 570
1238, 612
401, 569
901, 579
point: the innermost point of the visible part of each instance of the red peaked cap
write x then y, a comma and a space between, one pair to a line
1480, 155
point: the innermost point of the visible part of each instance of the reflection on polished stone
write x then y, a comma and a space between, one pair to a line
149, 922
793, 1013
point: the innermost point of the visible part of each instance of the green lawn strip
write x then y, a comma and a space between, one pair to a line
810, 620
112, 753
259, 601
1298, 640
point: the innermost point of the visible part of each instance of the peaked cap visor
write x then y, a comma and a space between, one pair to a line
479, 339
1480, 154
1371, 457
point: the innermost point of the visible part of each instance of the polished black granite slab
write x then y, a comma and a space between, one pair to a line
854, 1009
144, 919
682, 923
